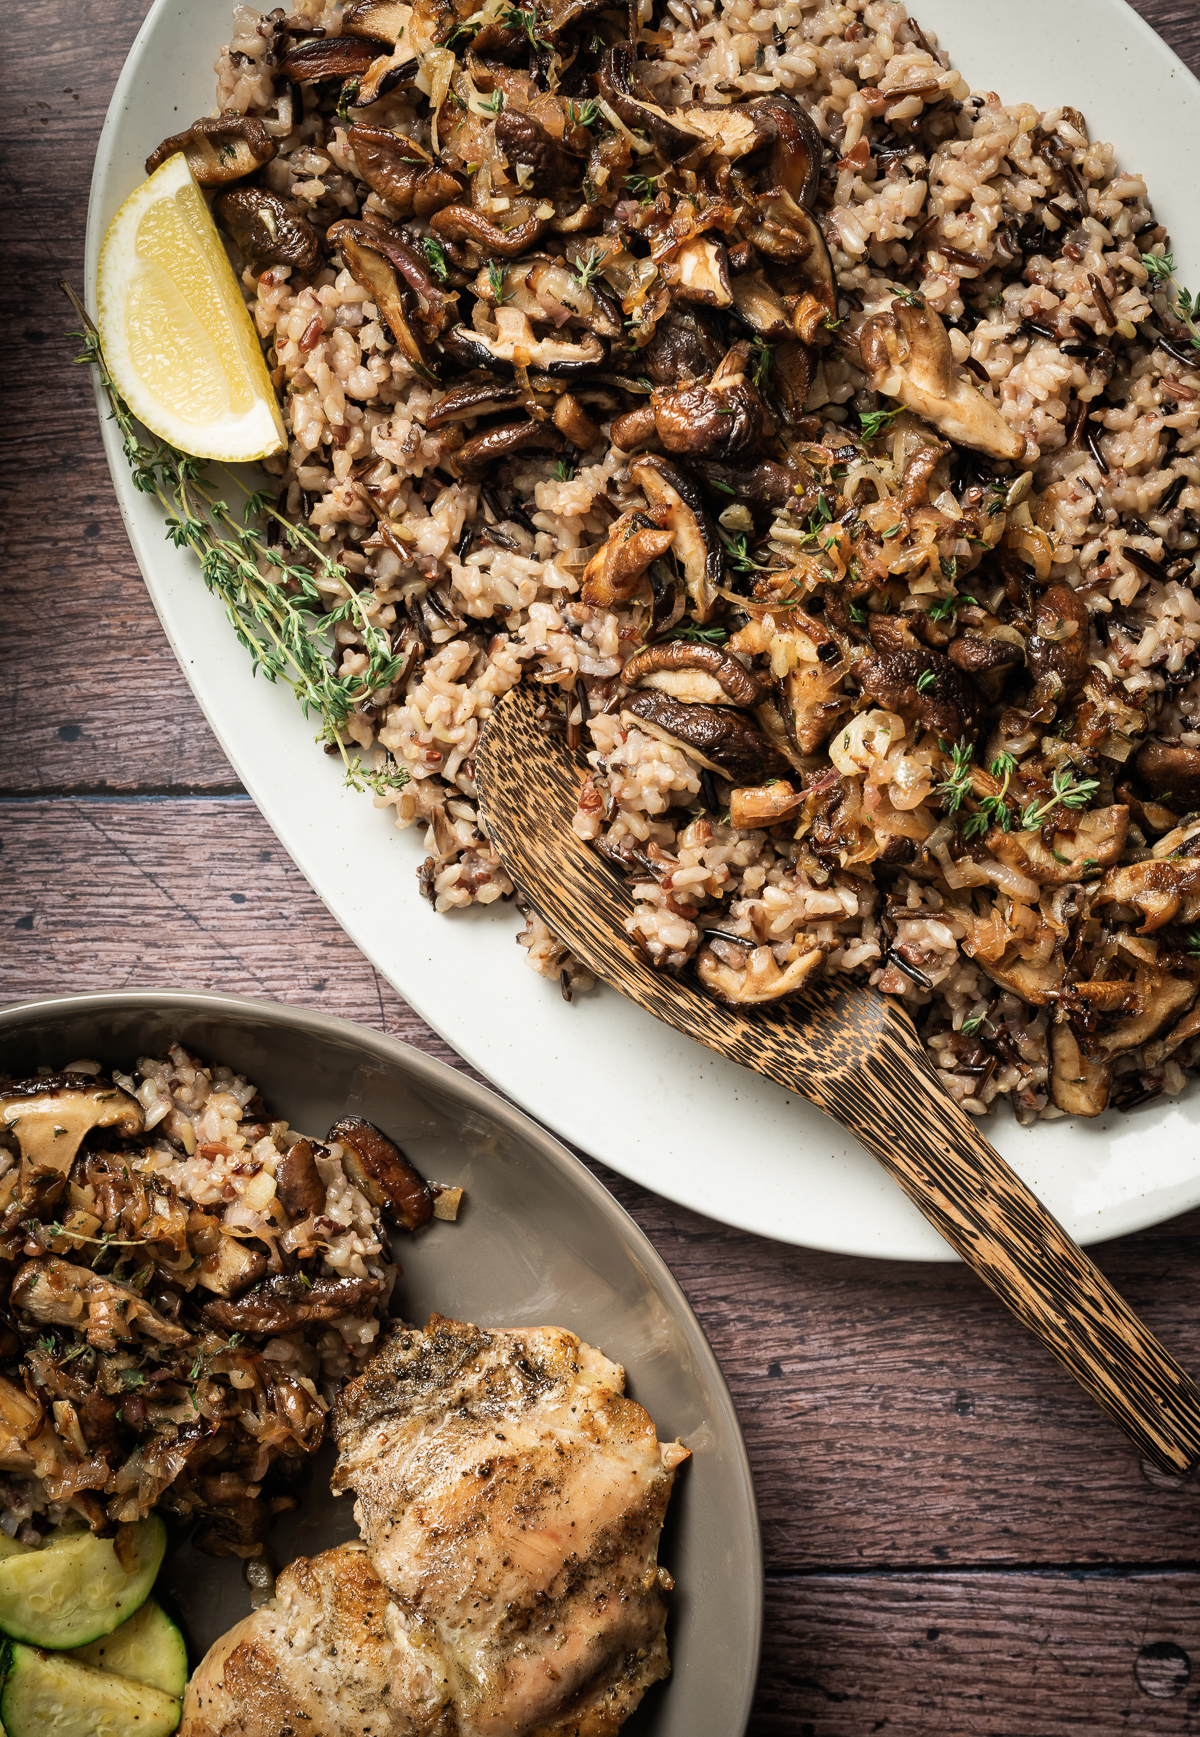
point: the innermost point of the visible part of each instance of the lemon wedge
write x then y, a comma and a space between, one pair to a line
177, 337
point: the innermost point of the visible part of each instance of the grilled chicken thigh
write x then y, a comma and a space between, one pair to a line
511, 1499
315, 1663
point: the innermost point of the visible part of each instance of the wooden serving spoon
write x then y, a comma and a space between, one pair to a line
856, 1054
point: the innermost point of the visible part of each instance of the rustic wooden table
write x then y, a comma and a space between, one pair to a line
956, 1541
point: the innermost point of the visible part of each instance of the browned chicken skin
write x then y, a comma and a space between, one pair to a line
511, 1500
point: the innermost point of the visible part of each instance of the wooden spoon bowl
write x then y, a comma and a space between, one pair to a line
856, 1054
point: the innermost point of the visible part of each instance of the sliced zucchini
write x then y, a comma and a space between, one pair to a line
80, 1587
49, 1695
10, 1547
146, 1649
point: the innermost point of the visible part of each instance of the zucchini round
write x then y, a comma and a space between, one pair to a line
146, 1649
80, 1587
49, 1695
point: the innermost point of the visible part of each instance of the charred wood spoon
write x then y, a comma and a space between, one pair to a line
857, 1056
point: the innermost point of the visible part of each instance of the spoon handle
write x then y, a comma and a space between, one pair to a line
892, 1100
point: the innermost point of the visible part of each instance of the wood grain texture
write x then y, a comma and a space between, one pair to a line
856, 1055
984, 1654
895, 1421
894, 1417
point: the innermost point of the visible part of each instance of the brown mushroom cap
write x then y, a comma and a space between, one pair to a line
907, 354
476, 456
717, 737
401, 171
377, 1166
1170, 772
926, 689
332, 57
267, 230
701, 673
218, 149
1059, 665
522, 139
721, 418
51, 1115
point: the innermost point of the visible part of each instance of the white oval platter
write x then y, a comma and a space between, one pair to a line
601, 1073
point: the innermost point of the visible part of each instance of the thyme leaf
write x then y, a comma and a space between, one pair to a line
282, 594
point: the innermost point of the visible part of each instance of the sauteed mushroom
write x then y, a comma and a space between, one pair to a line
908, 356
615, 572
696, 543
717, 737
267, 230
402, 171
761, 979
702, 673
218, 149
51, 1115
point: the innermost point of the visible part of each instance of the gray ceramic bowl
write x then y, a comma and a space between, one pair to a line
539, 1241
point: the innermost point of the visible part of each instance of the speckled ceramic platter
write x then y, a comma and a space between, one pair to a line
538, 1242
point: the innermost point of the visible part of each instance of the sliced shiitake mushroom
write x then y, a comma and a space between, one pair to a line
1057, 650
721, 418
332, 57
558, 357
615, 572
377, 1166
51, 1115
378, 257
464, 223
907, 354
697, 546
401, 171
218, 149
695, 673
1094, 840
925, 689
764, 804
622, 91
298, 1182
717, 737
1170, 772
1079, 1084
267, 230
476, 456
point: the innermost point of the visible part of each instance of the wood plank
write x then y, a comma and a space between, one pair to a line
90, 695
1017, 1655
894, 1413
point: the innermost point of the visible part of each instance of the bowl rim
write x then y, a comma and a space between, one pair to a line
430, 1071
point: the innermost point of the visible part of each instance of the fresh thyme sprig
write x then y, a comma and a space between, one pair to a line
1066, 789
993, 810
1182, 303
280, 604
957, 784
875, 421
435, 253
694, 634
526, 19
583, 114
761, 355
588, 268
496, 283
